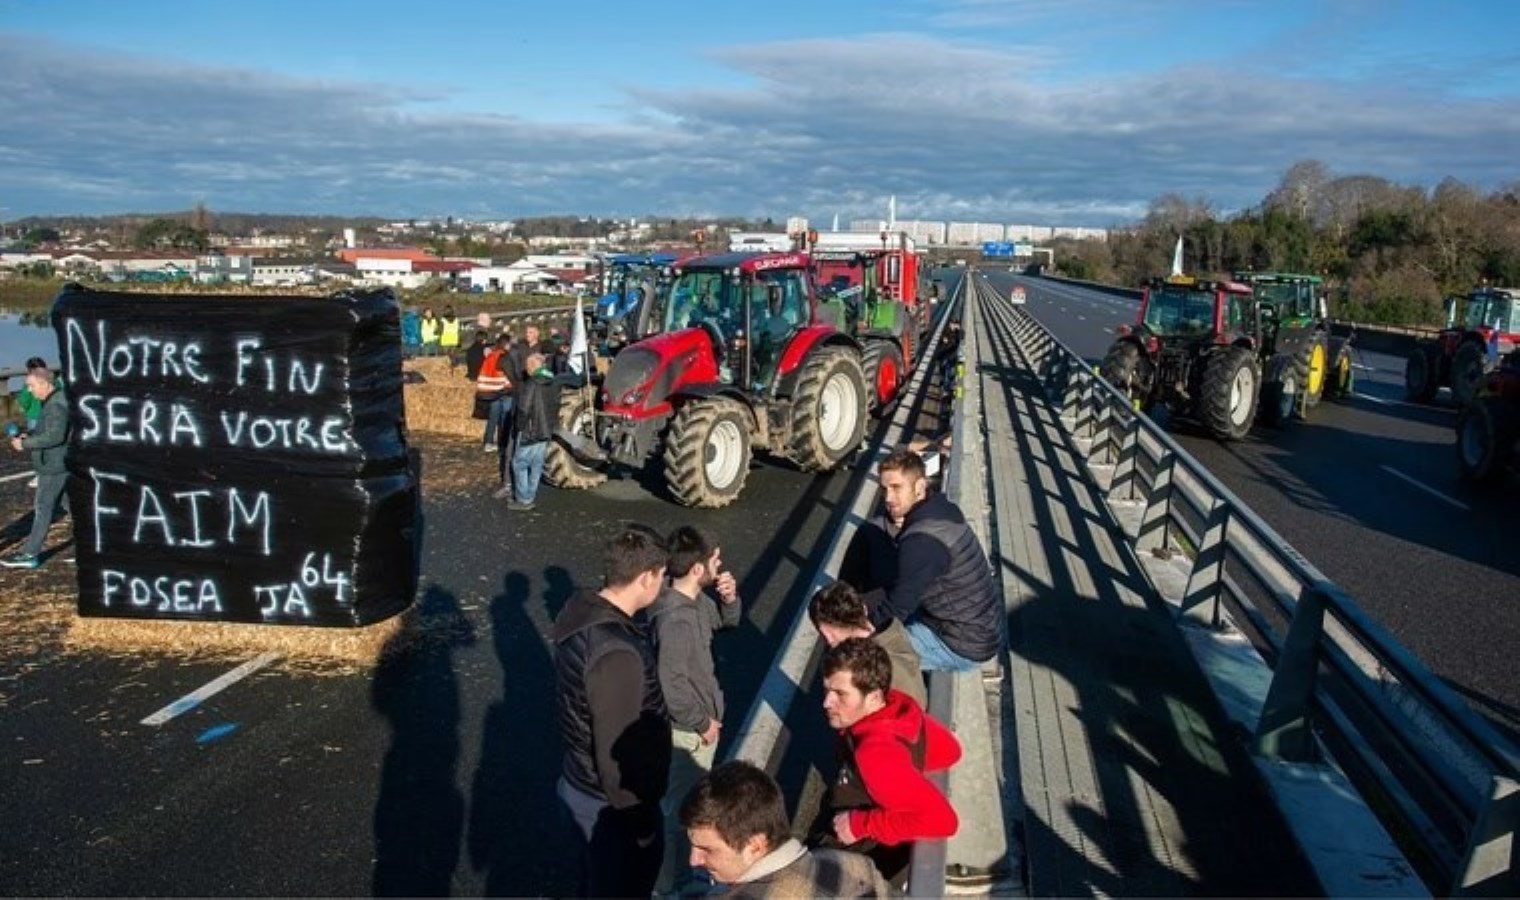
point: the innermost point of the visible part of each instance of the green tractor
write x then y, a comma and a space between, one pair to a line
1214, 352
1296, 346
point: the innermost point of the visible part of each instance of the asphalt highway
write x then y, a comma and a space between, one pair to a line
1368, 489
432, 774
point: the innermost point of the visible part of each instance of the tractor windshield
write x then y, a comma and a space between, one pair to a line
1287, 297
703, 295
1180, 311
1492, 311
629, 275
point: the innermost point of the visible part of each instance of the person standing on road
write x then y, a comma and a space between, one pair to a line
537, 408
448, 334
47, 444
612, 720
943, 591
881, 801
493, 388
735, 820
475, 354
429, 329
839, 614
684, 619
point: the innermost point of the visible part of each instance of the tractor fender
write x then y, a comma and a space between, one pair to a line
810, 339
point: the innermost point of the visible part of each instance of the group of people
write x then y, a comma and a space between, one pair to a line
640, 710
429, 335
517, 394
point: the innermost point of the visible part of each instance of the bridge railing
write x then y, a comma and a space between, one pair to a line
1445, 785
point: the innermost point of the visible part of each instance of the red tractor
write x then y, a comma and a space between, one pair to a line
1458, 357
1488, 429
743, 362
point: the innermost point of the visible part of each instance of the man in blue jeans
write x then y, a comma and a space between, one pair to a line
943, 591
537, 408
47, 445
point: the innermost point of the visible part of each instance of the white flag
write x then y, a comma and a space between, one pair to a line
1177, 257
578, 340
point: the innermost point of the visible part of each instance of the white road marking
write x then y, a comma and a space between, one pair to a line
215, 686
1372, 398
17, 476
1361, 368
1427, 489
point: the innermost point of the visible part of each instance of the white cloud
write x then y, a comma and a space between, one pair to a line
824, 125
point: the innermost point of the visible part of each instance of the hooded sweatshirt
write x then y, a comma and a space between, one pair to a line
906, 806
683, 628
611, 715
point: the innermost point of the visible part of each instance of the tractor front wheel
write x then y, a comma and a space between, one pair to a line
883, 365
828, 410
1128, 370
1280, 394
577, 420
1486, 431
707, 452
1230, 383
1467, 369
1340, 381
1421, 376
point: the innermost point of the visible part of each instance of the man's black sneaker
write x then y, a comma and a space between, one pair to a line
20, 561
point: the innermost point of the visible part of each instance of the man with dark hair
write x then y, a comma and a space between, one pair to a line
48, 442
839, 614
612, 719
880, 801
684, 619
535, 415
943, 591
736, 822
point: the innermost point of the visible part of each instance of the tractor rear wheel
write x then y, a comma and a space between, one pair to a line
1314, 362
1280, 394
1230, 385
828, 410
707, 452
1126, 369
1467, 368
1421, 374
561, 468
883, 365
1486, 431
1340, 381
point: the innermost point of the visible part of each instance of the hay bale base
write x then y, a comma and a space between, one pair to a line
439, 398
339, 649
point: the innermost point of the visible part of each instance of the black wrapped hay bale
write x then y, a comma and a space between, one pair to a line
238, 459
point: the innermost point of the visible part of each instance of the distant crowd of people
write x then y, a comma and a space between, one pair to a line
640, 710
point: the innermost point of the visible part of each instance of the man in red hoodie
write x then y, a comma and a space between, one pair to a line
881, 801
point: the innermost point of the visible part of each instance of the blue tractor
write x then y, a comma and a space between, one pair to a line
635, 284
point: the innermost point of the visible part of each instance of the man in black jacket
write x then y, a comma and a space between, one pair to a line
943, 591
535, 415
613, 722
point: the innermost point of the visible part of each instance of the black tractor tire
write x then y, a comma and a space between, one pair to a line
1486, 433
561, 468
1313, 360
828, 410
1127, 369
875, 355
1340, 380
1281, 392
1422, 373
1231, 386
707, 452
1468, 366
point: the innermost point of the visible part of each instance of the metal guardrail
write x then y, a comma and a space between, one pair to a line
1442, 781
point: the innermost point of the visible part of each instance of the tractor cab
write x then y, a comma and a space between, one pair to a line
1286, 300
1493, 309
751, 307
1182, 309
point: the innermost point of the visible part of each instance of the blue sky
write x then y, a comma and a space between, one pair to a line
1050, 111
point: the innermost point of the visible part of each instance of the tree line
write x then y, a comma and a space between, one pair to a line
1389, 253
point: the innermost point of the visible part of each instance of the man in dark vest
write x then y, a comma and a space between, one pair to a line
943, 591
881, 801
613, 722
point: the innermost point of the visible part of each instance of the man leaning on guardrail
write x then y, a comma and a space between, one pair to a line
943, 591
881, 801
